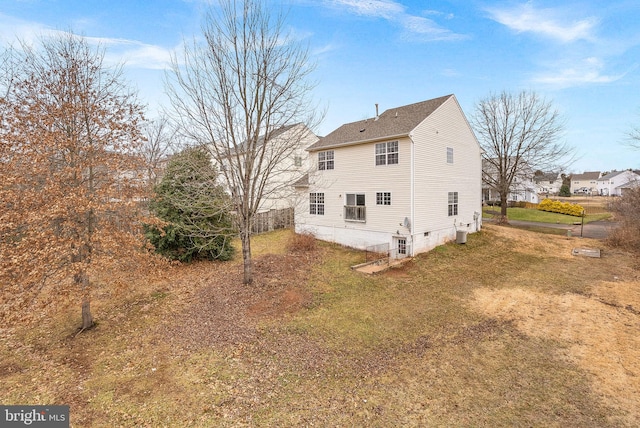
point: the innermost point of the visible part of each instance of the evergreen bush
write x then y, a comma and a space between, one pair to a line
195, 210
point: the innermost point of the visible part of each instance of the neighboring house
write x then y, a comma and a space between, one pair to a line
523, 188
616, 183
291, 140
586, 183
407, 180
548, 184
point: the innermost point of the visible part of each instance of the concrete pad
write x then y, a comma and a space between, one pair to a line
586, 252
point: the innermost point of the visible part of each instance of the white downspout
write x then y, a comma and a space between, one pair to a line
412, 197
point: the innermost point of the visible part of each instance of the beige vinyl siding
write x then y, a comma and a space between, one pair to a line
356, 172
279, 193
434, 177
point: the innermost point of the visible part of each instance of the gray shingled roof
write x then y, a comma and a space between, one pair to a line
394, 122
548, 176
587, 175
611, 175
302, 181
274, 134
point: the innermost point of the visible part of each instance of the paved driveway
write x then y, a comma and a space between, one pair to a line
594, 229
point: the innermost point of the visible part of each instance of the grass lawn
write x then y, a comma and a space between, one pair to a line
507, 330
525, 214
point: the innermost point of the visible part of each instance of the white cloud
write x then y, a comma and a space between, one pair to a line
12, 29
133, 53
587, 71
323, 49
551, 23
374, 8
415, 27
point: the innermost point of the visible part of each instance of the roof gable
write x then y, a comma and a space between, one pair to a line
299, 130
548, 176
614, 174
588, 175
392, 123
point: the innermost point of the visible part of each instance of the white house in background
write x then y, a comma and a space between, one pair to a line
523, 188
586, 183
615, 183
548, 183
292, 140
408, 180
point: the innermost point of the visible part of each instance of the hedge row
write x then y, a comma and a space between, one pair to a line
561, 207
513, 204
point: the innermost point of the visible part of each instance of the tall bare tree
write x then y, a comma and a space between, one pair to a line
160, 142
518, 133
234, 92
634, 138
71, 129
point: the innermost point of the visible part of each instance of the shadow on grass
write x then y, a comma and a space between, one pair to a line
540, 229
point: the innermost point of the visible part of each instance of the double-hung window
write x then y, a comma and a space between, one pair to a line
387, 153
453, 203
316, 203
449, 154
355, 209
325, 160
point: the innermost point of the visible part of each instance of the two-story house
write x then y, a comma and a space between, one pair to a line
523, 188
286, 161
409, 178
615, 183
548, 183
585, 183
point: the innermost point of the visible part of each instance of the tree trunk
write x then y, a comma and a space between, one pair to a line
503, 209
245, 237
87, 319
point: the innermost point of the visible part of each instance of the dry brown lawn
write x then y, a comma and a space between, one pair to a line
507, 330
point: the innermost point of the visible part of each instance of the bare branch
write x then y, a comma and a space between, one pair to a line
235, 93
518, 134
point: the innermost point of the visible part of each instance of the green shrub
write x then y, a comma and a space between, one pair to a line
565, 190
195, 209
561, 207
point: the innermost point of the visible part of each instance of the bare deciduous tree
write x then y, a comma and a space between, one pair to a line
70, 180
518, 133
234, 92
634, 138
160, 143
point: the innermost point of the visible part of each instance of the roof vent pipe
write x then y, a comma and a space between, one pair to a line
377, 111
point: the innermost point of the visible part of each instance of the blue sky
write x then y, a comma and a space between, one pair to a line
582, 55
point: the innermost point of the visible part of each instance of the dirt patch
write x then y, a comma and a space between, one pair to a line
226, 312
7, 369
280, 302
600, 331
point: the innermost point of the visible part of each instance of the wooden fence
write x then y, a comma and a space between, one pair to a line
272, 220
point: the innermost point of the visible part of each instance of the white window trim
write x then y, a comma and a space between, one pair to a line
455, 203
317, 204
383, 204
386, 153
326, 161
361, 213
